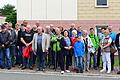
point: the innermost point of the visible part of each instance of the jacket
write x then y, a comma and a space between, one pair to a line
5, 39
44, 42
90, 45
95, 40
117, 40
55, 43
79, 49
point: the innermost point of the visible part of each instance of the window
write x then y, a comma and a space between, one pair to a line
101, 3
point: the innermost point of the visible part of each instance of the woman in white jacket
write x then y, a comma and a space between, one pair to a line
88, 49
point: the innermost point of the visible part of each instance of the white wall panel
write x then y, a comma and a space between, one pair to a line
24, 9
69, 9
38, 9
53, 9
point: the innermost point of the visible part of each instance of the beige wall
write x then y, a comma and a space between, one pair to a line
88, 11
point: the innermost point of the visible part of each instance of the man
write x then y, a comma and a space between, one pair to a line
117, 42
71, 29
113, 36
79, 30
20, 45
34, 30
17, 29
95, 42
12, 44
4, 48
39, 47
37, 24
52, 28
26, 39
48, 48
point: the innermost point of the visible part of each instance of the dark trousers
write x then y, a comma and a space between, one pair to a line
56, 59
12, 54
62, 60
119, 57
112, 61
98, 57
27, 61
40, 59
19, 58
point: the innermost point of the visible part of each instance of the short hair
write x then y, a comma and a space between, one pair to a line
91, 28
3, 26
104, 28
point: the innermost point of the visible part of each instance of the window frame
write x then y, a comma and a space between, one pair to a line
102, 6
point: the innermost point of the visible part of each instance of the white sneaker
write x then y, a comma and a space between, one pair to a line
108, 72
67, 71
103, 70
62, 72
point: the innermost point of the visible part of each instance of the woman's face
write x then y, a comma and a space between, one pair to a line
65, 33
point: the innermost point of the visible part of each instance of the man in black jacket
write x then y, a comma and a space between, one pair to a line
4, 48
117, 42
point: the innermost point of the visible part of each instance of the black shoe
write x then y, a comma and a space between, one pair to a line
118, 72
9, 68
2, 67
24, 67
31, 68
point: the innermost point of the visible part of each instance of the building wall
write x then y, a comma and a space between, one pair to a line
88, 11
46, 9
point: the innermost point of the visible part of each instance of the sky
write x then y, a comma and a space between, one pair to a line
4, 2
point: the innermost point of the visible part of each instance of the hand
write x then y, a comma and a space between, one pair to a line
89, 47
66, 47
119, 47
27, 45
3, 45
46, 50
70, 47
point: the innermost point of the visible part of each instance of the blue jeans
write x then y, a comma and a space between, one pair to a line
5, 57
94, 60
80, 63
40, 59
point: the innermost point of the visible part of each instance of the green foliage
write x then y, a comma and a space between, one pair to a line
9, 12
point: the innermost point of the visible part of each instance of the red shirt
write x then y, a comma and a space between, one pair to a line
73, 41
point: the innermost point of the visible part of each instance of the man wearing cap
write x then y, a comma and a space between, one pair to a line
4, 48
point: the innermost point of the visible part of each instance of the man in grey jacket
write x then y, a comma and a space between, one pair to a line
39, 46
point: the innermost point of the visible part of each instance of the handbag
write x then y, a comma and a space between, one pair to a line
112, 49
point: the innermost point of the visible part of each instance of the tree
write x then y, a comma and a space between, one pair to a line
9, 12
12, 18
7, 9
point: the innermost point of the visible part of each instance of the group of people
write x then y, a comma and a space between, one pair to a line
35, 46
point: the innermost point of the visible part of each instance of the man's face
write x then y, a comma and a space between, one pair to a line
28, 28
39, 30
79, 38
110, 29
92, 31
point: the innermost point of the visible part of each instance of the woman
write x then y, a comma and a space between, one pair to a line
65, 52
88, 49
105, 48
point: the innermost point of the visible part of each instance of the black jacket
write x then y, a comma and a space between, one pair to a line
5, 39
117, 40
